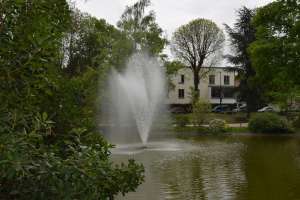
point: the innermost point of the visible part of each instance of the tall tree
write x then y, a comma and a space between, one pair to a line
276, 52
30, 43
241, 36
93, 43
196, 42
33, 94
141, 27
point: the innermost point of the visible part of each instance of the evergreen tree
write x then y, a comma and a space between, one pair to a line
241, 36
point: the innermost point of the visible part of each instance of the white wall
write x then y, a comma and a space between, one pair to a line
205, 90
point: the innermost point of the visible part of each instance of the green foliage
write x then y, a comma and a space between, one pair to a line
269, 123
32, 170
217, 126
196, 44
286, 100
49, 146
30, 48
182, 120
241, 36
141, 27
78, 97
275, 53
93, 43
172, 68
201, 108
296, 122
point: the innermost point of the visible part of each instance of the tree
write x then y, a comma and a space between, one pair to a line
172, 68
200, 110
241, 36
92, 42
197, 42
45, 153
275, 53
90, 48
141, 27
29, 50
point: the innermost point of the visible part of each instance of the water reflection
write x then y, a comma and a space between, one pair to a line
213, 171
220, 168
272, 168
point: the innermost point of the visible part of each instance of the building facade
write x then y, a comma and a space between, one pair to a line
216, 86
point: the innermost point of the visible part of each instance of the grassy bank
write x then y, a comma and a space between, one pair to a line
229, 118
205, 130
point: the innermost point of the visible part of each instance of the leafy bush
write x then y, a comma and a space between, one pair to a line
182, 120
240, 118
30, 169
217, 126
296, 123
200, 110
269, 123
49, 148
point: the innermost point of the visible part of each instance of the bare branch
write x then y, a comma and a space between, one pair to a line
196, 42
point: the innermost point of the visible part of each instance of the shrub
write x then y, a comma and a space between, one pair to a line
217, 126
200, 110
296, 123
38, 163
269, 123
240, 118
182, 120
49, 145
30, 169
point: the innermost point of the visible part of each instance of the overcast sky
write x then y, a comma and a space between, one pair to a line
170, 14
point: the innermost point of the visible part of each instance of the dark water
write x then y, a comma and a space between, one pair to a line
218, 167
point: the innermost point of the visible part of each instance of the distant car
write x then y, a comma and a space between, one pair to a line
242, 108
266, 109
221, 109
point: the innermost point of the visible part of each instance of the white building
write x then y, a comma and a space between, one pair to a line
216, 79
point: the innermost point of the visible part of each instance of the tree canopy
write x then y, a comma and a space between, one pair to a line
196, 42
50, 147
141, 27
276, 52
241, 36
93, 43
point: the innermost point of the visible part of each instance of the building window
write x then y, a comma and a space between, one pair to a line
226, 80
226, 92
215, 92
211, 79
181, 93
181, 79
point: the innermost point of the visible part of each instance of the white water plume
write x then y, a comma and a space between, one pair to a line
137, 94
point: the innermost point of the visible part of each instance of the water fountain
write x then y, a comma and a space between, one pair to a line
136, 96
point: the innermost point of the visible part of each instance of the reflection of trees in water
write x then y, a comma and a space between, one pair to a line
273, 168
213, 172
296, 145
249, 168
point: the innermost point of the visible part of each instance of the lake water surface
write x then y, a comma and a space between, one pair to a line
218, 167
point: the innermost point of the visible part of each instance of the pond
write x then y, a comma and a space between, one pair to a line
218, 167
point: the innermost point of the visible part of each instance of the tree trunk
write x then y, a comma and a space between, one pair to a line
197, 67
196, 83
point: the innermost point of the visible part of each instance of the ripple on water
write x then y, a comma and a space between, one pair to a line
220, 169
